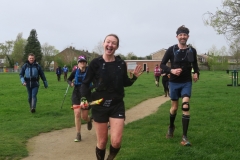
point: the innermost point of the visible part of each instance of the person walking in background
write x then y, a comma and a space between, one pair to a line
74, 68
109, 75
78, 75
182, 57
58, 73
29, 76
165, 81
147, 70
157, 73
65, 72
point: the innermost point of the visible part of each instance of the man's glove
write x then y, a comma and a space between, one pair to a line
84, 103
45, 84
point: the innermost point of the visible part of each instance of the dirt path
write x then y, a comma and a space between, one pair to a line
59, 144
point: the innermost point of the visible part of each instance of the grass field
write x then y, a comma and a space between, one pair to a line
17, 124
213, 129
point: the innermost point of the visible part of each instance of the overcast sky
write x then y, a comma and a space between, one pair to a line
143, 26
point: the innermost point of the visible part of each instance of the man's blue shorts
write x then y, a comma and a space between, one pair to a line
180, 90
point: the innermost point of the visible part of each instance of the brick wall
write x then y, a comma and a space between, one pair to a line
145, 63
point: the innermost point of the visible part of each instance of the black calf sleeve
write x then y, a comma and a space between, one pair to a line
172, 119
113, 152
100, 153
185, 123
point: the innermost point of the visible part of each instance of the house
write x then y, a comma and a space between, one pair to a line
202, 58
70, 56
232, 59
150, 64
158, 54
131, 64
157, 59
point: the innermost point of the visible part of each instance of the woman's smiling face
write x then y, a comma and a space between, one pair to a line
110, 45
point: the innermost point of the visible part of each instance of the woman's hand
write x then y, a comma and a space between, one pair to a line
137, 71
84, 103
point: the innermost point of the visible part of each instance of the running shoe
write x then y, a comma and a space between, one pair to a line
78, 138
33, 110
185, 141
170, 132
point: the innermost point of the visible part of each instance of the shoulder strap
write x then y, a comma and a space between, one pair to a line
190, 47
85, 73
37, 66
190, 54
24, 66
119, 60
100, 58
175, 49
78, 71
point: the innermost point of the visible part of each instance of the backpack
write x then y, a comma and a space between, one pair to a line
26, 65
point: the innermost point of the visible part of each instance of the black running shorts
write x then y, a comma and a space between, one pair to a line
102, 114
76, 96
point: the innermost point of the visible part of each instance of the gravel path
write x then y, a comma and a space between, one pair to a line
59, 145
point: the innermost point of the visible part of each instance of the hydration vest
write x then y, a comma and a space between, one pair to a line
182, 62
79, 76
104, 82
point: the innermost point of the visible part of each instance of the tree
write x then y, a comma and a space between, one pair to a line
33, 46
48, 52
10, 61
59, 61
216, 59
93, 55
18, 48
121, 55
235, 50
99, 48
6, 49
131, 56
227, 20
149, 57
142, 58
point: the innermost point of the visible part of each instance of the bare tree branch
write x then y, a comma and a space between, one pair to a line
225, 21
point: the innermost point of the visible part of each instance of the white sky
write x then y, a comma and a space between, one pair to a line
143, 26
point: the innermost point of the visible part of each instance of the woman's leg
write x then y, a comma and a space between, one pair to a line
86, 118
102, 138
77, 122
102, 134
84, 115
77, 119
116, 131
